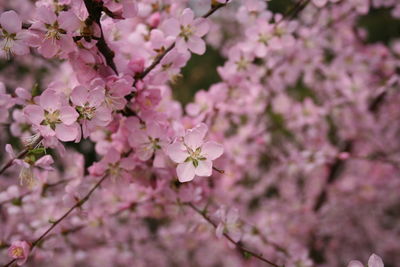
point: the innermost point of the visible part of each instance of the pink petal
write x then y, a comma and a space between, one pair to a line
96, 97
48, 48
50, 100
69, 21
185, 172
212, 150
194, 137
375, 261
79, 95
176, 152
67, 133
202, 27
171, 27
204, 168
45, 162
10, 151
186, 17
196, 45
10, 21
46, 15
181, 45
34, 113
193, 109
129, 8
68, 115
355, 264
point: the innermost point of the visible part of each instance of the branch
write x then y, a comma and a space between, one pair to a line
95, 9
21, 154
54, 224
238, 245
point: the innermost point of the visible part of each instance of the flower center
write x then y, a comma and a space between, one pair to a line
51, 119
86, 112
195, 156
17, 252
9, 39
186, 32
53, 31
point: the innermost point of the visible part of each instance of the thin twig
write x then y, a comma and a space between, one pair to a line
239, 246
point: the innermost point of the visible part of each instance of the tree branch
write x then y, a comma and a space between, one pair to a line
238, 245
95, 9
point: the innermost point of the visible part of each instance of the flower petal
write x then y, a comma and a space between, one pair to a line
204, 168
50, 100
212, 150
202, 26
34, 114
66, 133
185, 171
79, 95
186, 17
10, 21
194, 137
68, 115
375, 261
177, 152
196, 45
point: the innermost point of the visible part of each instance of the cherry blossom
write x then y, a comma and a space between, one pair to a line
13, 37
19, 250
188, 32
193, 155
52, 117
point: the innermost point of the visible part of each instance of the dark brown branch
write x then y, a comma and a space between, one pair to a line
95, 10
238, 245
21, 154
59, 220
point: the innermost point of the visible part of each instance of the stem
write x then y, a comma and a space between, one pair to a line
95, 9
21, 154
54, 224
238, 245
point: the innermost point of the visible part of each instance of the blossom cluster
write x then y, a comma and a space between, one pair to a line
294, 152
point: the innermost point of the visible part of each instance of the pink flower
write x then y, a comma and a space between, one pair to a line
12, 35
115, 165
19, 250
188, 32
52, 34
53, 118
116, 88
194, 157
91, 108
149, 141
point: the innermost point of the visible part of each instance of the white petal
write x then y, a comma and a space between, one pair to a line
185, 171
204, 168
